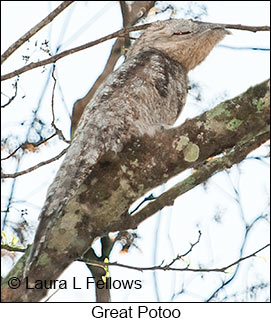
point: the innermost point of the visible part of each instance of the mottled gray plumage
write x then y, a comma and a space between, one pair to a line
146, 93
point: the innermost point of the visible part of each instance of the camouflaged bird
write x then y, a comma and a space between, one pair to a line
143, 96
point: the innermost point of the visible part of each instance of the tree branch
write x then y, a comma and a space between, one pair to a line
115, 183
34, 30
13, 249
26, 144
58, 131
169, 268
253, 29
200, 175
120, 33
31, 169
13, 97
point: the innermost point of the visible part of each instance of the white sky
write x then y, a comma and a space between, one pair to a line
224, 74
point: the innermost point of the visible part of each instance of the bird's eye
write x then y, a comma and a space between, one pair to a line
182, 33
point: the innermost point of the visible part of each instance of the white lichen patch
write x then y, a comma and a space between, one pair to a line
180, 143
191, 152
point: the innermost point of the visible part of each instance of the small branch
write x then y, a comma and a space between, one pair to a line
167, 267
53, 95
34, 30
229, 280
13, 97
188, 251
245, 48
121, 33
10, 248
53, 294
146, 199
14, 175
58, 131
253, 29
178, 257
244, 258
24, 145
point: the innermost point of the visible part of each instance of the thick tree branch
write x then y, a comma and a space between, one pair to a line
116, 181
34, 30
207, 138
199, 176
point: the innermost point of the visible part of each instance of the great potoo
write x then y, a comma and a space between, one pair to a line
145, 94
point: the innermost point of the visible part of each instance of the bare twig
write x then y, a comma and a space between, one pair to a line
146, 199
14, 249
167, 267
13, 97
244, 258
253, 29
247, 228
49, 297
53, 95
178, 257
58, 131
120, 33
34, 30
26, 144
30, 169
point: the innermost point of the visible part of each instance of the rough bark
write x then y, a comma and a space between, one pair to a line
101, 205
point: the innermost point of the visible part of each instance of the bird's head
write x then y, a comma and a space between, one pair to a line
186, 41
